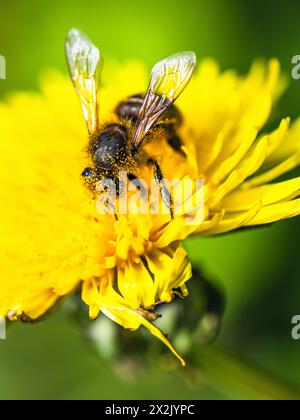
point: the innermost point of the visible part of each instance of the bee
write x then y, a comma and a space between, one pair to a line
119, 146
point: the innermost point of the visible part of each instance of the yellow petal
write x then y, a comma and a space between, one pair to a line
276, 212
242, 200
285, 166
245, 169
234, 221
227, 166
157, 333
136, 285
171, 269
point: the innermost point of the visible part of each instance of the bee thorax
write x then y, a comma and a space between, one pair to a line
109, 148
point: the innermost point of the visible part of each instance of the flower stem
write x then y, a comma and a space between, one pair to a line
237, 378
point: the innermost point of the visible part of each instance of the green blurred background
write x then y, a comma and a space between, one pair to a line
259, 269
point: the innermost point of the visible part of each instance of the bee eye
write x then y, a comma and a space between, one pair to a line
88, 173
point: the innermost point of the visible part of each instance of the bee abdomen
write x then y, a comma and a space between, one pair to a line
170, 120
130, 108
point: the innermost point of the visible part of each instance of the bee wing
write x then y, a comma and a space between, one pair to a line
85, 65
168, 80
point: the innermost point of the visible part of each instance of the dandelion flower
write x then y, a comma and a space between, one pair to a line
54, 241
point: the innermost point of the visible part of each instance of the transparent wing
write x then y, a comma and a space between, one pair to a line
169, 78
85, 65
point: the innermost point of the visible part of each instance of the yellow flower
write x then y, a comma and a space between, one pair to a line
52, 238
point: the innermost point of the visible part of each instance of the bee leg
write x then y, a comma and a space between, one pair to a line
173, 139
139, 185
91, 179
111, 187
175, 142
111, 208
165, 193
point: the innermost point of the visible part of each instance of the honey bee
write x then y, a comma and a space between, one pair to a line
118, 146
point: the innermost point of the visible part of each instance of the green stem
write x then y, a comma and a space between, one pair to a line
240, 379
